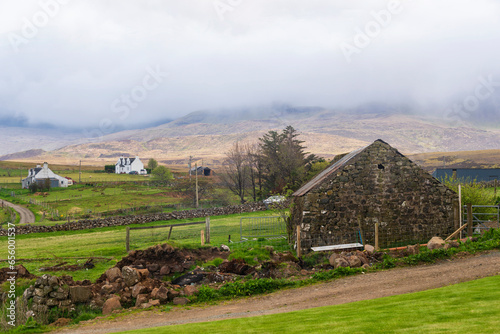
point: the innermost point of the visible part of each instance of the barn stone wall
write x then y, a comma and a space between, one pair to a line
379, 185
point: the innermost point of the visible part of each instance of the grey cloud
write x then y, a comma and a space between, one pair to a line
256, 52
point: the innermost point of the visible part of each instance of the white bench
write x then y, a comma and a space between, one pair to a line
335, 247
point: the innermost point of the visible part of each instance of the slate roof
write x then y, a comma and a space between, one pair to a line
123, 161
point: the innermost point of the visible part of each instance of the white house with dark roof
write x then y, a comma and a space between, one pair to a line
40, 174
127, 165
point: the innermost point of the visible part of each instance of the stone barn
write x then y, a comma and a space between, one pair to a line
374, 184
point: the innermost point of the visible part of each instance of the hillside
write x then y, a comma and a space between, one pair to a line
17, 139
459, 159
176, 150
208, 135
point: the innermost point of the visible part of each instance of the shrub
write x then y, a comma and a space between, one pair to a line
336, 273
251, 256
472, 192
242, 289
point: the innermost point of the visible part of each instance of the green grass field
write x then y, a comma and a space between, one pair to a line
470, 307
81, 200
110, 242
5, 215
86, 177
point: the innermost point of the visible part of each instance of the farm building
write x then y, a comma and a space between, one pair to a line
468, 174
205, 171
374, 184
41, 174
127, 165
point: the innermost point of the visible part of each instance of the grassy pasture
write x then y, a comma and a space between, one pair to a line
81, 200
5, 215
17, 170
78, 200
470, 307
110, 242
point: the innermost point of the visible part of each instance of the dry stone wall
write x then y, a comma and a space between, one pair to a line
138, 219
51, 291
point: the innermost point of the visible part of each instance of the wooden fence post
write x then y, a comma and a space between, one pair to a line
469, 219
202, 238
127, 239
376, 237
298, 242
207, 228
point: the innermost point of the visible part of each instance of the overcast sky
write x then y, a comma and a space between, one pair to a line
108, 63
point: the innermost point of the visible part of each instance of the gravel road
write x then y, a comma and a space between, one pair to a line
27, 216
350, 289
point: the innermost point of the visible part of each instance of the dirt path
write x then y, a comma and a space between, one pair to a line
26, 215
350, 289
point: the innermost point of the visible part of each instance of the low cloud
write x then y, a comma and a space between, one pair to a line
70, 68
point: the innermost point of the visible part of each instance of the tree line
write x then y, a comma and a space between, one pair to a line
276, 164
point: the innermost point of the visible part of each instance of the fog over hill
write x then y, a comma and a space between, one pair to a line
326, 132
173, 78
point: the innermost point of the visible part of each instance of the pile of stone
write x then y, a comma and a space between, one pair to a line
52, 291
163, 260
122, 287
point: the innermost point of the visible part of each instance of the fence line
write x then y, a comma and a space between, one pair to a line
171, 226
262, 227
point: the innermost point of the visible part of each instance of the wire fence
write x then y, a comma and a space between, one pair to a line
184, 234
263, 231
214, 233
382, 235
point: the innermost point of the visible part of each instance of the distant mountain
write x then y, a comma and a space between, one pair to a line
18, 139
326, 132
22, 155
408, 132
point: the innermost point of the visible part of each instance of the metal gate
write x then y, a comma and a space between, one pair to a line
484, 217
262, 227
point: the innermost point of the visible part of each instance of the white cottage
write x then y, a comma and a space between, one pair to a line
40, 174
127, 165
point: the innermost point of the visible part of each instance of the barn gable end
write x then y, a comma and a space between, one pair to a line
375, 184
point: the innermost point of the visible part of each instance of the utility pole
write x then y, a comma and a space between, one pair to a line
80, 173
189, 165
196, 171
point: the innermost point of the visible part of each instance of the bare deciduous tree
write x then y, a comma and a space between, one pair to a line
235, 171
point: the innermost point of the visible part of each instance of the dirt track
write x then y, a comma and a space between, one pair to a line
350, 289
27, 217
